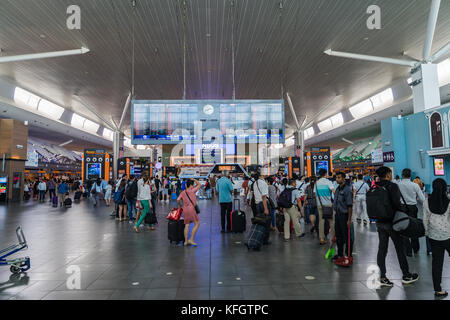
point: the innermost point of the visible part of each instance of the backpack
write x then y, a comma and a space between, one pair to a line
131, 191
285, 198
118, 195
379, 204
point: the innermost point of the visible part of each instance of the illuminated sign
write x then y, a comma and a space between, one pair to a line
175, 121
439, 167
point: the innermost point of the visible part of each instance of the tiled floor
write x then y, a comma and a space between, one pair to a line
117, 263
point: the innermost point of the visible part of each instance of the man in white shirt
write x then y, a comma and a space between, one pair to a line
260, 192
42, 187
300, 184
360, 189
324, 193
411, 194
293, 213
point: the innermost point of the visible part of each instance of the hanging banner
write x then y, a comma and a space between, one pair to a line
32, 159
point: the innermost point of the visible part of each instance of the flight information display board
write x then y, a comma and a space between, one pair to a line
187, 121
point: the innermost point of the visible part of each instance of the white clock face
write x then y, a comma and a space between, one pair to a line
208, 109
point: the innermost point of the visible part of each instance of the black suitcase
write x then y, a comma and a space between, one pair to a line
176, 231
237, 219
255, 237
68, 203
77, 195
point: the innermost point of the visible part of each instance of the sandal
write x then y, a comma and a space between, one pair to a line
192, 243
136, 229
322, 242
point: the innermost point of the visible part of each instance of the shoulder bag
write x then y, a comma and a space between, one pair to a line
327, 212
197, 209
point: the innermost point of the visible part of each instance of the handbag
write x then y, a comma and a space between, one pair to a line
197, 209
327, 212
175, 214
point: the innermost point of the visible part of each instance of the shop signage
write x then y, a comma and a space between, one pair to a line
389, 156
32, 159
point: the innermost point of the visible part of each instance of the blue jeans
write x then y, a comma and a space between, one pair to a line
42, 195
95, 198
131, 208
272, 215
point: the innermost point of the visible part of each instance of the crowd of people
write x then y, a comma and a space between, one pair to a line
328, 204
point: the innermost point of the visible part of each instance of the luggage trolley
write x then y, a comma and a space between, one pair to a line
18, 265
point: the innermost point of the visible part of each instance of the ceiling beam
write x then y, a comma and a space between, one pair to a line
409, 63
431, 28
321, 111
291, 106
43, 55
125, 109
440, 53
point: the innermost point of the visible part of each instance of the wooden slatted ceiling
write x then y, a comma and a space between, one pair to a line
103, 77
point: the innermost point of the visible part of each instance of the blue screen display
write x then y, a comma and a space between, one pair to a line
223, 121
94, 169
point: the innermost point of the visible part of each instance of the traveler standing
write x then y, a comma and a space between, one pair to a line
212, 183
119, 198
146, 196
385, 231
42, 187
272, 202
189, 212
360, 189
436, 220
95, 190
293, 213
260, 203
324, 193
36, 189
108, 193
411, 193
225, 188
166, 187
52, 189
311, 205
131, 193
63, 189
158, 187
343, 207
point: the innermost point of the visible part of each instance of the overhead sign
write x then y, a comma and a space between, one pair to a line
377, 156
32, 159
389, 156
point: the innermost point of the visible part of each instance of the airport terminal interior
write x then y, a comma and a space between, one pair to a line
224, 150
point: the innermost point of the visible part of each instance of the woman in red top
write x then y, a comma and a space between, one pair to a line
190, 215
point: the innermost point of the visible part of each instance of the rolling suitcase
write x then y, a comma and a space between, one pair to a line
279, 222
255, 237
238, 220
55, 202
68, 203
176, 231
78, 195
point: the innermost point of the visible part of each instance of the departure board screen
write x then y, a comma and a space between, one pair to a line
187, 121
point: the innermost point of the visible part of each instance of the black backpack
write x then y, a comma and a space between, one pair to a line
285, 198
379, 204
131, 190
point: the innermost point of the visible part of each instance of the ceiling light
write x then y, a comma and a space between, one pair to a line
50, 109
325, 125
77, 121
337, 120
444, 72
382, 99
361, 109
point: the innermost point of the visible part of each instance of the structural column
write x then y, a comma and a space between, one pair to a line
117, 145
299, 149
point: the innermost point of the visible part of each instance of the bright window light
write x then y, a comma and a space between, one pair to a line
325, 125
127, 142
91, 126
26, 98
140, 147
50, 109
77, 121
337, 120
444, 72
290, 142
382, 99
108, 134
361, 109
309, 133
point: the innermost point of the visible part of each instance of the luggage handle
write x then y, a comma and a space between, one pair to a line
21, 236
238, 201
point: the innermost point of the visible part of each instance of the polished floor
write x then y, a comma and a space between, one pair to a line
117, 263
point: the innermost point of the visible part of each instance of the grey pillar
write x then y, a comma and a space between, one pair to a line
117, 144
299, 149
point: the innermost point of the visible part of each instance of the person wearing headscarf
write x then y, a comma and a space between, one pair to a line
436, 219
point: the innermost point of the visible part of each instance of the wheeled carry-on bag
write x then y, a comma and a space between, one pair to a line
238, 220
255, 237
176, 231
78, 195
68, 203
55, 202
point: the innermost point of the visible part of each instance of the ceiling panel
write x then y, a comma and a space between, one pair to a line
271, 52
